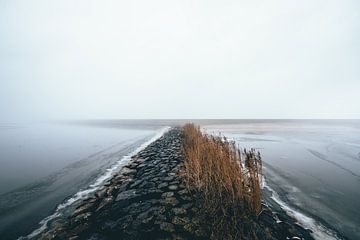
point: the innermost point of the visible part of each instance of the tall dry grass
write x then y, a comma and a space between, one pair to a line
227, 179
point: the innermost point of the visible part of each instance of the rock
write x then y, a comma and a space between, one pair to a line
146, 217
132, 165
163, 185
81, 218
169, 178
105, 202
101, 193
126, 197
97, 236
171, 201
186, 198
125, 222
109, 225
125, 185
167, 194
147, 185
112, 190
180, 220
183, 192
84, 208
187, 206
167, 227
189, 228
267, 218
173, 187
136, 183
127, 171
195, 210
179, 211
200, 232
177, 237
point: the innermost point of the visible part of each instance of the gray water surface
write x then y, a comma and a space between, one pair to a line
313, 165
42, 164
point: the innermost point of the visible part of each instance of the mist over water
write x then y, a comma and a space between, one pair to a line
313, 166
42, 164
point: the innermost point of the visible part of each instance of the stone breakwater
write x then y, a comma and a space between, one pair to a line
147, 199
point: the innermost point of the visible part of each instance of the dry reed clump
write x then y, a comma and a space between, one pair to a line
227, 179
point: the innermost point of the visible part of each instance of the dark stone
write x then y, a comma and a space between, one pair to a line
267, 218
136, 183
167, 227
171, 201
169, 179
163, 185
147, 185
179, 211
127, 171
167, 194
180, 220
105, 202
101, 193
126, 197
84, 208
189, 228
81, 218
173, 187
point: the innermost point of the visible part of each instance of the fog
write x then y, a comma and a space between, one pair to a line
179, 59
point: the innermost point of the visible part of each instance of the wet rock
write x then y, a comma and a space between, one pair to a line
109, 225
177, 237
136, 183
186, 198
97, 236
127, 171
171, 201
167, 227
101, 193
84, 208
163, 185
179, 211
201, 232
147, 185
112, 190
81, 218
173, 187
267, 218
183, 192
189, 228
146, 217
180, 220
169, 179
187, 206
126, 197
167, 194
105, 202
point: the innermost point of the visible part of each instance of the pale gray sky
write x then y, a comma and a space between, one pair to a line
71, 59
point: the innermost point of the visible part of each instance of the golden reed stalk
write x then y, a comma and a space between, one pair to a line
227, 179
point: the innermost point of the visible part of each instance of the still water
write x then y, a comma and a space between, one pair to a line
312, 166
43, 164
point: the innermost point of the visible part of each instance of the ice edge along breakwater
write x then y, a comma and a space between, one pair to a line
173, 201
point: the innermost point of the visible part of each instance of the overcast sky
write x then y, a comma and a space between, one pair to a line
70, 59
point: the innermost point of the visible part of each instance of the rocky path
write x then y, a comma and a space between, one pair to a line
147, 199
